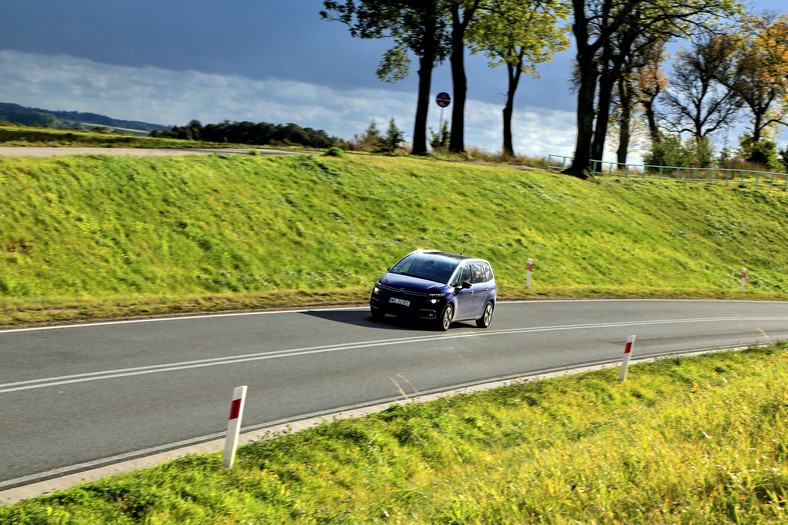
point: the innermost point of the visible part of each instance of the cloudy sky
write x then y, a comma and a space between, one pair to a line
171, 61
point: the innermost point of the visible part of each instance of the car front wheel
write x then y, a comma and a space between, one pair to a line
448, 315
486, 318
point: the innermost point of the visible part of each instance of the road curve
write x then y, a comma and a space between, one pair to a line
81, 396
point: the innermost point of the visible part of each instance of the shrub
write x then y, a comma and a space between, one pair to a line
334, 152
762, 153
672, 151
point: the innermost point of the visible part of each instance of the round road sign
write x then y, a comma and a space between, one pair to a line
443, 99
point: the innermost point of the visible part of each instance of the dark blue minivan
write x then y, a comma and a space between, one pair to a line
438, 286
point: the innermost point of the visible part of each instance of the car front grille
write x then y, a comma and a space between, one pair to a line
401, 291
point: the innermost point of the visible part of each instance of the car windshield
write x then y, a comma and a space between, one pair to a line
433, 267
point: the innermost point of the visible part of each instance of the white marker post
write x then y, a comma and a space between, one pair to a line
528, 275
234, 426
743, 278
627, 354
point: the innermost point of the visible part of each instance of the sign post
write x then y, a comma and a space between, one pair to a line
528, 275
234, 426
743, 278
443, 100
627, 354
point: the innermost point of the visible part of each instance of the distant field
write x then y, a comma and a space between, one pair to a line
92, 236
22, 136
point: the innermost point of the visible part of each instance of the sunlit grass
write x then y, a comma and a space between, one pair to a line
691, 440
89, 236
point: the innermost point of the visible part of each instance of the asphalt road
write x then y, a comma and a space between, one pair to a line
81, 396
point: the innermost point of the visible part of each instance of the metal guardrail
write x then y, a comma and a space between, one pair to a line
646, 171
565, 162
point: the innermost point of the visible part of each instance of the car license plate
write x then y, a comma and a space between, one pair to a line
397, 300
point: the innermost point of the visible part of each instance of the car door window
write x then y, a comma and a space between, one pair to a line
465, 276
478, 273
488, 276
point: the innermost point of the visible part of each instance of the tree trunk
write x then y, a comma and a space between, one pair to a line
585, 120
459, 81
508, 109
757, 126
602, 116
460, 88
587, 77
625, 96
426, 65
651, 118
422, 106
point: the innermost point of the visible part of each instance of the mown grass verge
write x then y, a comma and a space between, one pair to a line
683, 440
83, 237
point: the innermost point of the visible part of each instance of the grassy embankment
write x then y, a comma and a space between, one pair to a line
89, 236
698, 440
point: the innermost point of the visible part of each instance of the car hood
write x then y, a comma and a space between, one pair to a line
413, 284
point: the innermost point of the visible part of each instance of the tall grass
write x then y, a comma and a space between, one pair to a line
100, 235
699, 440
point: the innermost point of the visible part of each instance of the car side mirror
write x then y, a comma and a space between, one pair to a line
466, 285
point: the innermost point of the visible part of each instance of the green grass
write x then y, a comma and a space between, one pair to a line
693, 440
12, 135
92, 236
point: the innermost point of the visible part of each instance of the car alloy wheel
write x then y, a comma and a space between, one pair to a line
448, 315
486, 318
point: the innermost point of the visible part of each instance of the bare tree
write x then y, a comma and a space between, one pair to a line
696, 102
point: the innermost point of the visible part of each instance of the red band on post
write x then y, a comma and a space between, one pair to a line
235, 409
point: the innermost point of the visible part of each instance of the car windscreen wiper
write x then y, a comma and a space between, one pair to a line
419, 276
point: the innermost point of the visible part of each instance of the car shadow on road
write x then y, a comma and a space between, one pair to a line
363, 318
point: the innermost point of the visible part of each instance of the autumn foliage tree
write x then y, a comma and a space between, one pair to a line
758, 71
649, 82
636, 92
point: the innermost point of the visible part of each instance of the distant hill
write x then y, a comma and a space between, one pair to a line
71, 119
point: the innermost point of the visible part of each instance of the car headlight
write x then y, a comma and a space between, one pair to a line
434, 298
376, 289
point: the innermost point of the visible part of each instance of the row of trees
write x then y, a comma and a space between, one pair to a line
261, 133
721, 77
620, 47
516, 33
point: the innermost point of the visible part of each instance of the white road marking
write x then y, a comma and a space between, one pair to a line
297, 352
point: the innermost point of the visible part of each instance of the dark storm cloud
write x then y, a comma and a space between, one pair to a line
257, 39
253, 38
